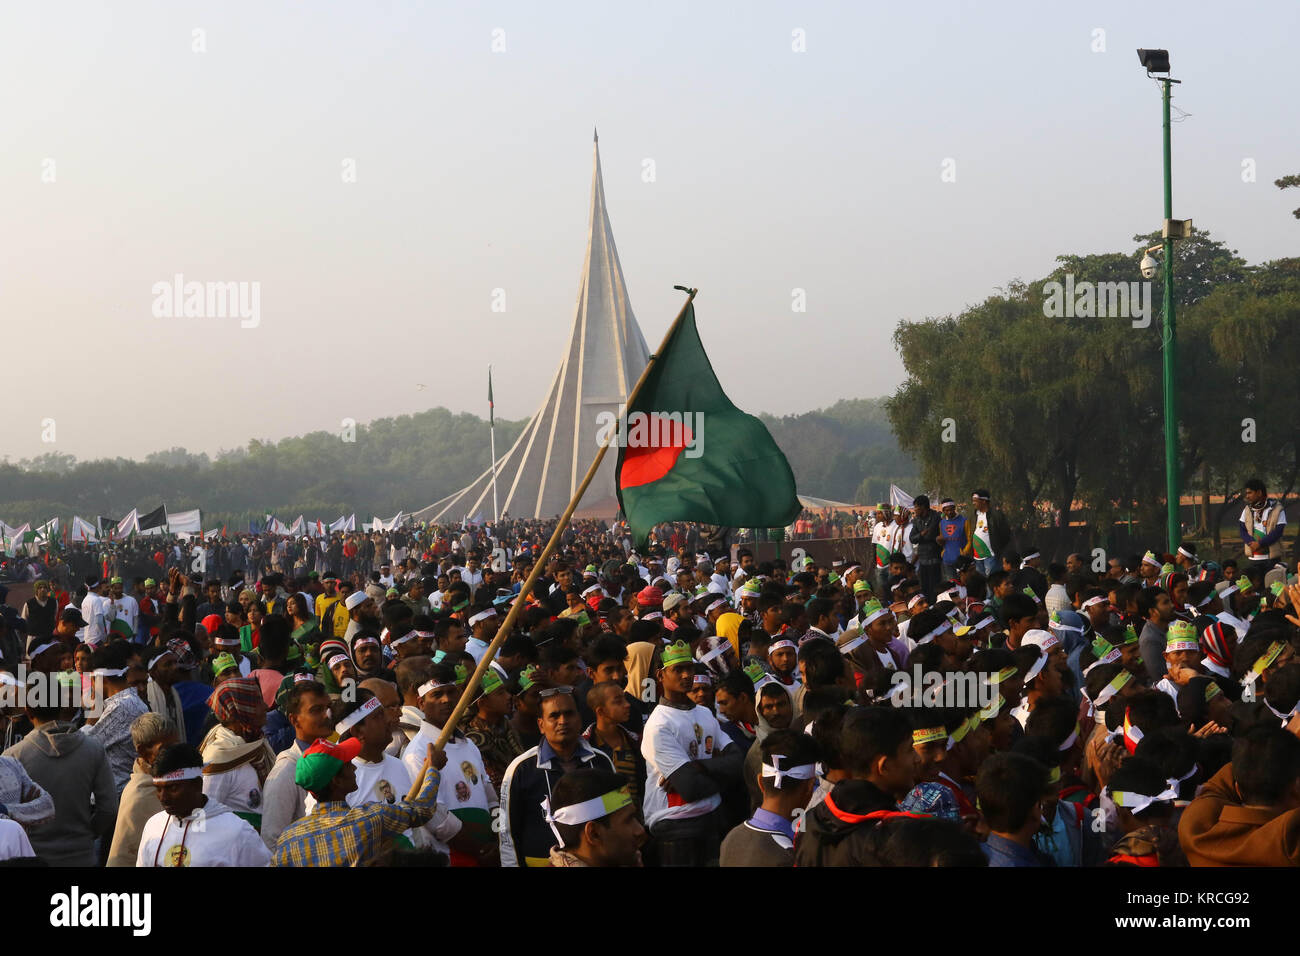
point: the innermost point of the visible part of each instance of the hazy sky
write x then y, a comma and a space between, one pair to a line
774, 170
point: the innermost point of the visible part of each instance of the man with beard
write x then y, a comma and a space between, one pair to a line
363, 612
39, 612
368, 656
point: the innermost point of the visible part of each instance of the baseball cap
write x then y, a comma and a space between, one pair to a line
322, 762
73, 616
673, 599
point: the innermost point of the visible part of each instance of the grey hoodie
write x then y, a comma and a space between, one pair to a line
754, 762
72, 768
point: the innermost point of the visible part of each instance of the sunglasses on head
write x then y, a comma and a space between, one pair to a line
552, 691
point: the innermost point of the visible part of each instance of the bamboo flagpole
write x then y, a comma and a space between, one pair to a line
508, 624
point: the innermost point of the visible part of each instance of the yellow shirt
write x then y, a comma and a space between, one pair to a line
323, 604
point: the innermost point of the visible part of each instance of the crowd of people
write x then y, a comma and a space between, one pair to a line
670, 706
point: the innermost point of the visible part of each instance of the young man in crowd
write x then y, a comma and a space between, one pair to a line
193, 829
786, 778
689, 760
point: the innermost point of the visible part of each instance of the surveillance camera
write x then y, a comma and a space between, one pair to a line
1149, 266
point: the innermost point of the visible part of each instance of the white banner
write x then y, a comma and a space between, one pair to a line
48, 531
83, 530
344, 524
14, 539
898, 498
188, 522
298, 528
128, 524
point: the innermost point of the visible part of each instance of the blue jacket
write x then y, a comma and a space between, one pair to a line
1003, 852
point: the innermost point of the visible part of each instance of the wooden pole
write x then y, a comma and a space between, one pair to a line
508, 624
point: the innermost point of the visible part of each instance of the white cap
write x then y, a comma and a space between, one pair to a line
354, 599
1040, 638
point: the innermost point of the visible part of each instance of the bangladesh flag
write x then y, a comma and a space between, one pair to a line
686, 453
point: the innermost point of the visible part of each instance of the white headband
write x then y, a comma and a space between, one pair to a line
715, 605
780, 644
184, 773
108, 672
482, 616
429, 687
1137, 802
803, 771
880, 613
945, 626
1095, 599
576, 814
336, 659
852, 645
358, 715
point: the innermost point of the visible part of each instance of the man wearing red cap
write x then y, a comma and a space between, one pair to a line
649, 604
334, 834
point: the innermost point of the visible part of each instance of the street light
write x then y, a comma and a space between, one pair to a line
1157, 61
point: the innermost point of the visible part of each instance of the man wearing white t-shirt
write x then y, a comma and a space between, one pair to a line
689, 761
125, 607
98, 612
462, 823
193, 829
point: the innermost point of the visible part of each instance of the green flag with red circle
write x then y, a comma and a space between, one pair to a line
686, 453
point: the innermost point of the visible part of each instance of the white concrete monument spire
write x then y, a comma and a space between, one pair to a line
605, 355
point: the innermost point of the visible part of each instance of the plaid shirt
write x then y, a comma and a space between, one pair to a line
335, 834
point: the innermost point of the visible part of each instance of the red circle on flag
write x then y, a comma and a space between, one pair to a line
649, 461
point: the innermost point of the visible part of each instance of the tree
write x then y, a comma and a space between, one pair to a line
1286, 182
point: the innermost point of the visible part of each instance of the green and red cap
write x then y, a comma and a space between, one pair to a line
322, 762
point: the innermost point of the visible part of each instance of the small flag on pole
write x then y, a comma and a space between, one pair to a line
491, 414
